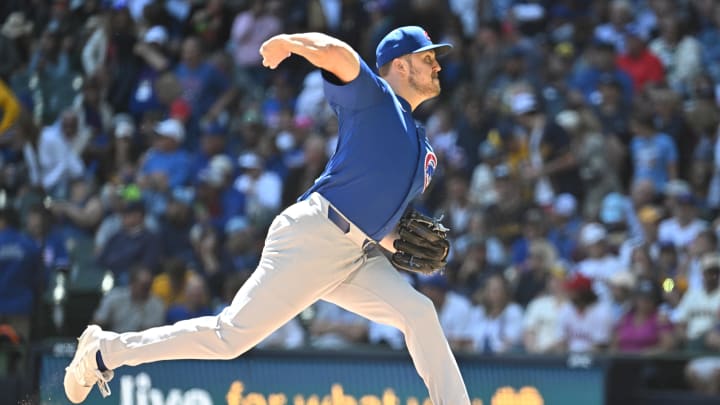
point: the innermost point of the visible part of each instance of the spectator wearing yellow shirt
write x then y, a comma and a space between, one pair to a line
9, 107
169, 285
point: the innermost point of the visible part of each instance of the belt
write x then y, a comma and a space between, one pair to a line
350, 230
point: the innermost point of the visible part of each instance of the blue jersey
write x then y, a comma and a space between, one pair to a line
21, 273
383, 160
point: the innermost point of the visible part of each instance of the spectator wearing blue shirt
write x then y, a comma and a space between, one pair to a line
49, 240
22, 276
212, 143
204, 87
196, 302
654, 154
166, 165
133, 245
600, 63
216, 193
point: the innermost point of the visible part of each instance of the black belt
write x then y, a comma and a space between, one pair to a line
338, 220
343, 224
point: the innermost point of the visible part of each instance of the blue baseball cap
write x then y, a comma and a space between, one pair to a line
404, 40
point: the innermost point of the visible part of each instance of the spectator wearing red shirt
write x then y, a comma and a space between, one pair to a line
638, 62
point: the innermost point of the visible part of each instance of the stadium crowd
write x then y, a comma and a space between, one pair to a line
579, 164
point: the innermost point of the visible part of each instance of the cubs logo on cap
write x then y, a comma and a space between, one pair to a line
404, 40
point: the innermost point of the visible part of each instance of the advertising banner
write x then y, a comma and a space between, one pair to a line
321, 378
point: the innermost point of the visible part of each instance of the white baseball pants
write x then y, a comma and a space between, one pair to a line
306, 257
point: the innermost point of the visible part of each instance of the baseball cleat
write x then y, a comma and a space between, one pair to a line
83, 372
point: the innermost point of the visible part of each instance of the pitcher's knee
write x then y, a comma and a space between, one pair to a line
420, 310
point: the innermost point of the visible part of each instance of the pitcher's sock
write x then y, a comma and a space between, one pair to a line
99, 361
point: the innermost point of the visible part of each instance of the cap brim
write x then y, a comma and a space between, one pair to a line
440, 49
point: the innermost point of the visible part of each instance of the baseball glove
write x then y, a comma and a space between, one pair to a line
422, 246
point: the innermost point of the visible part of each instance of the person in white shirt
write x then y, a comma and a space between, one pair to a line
541, 323
599, 264
585, 323
58, 154
704, 243
262, 188
682, 228
698, 309
496, 324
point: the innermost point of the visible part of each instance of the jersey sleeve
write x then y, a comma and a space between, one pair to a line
363, 91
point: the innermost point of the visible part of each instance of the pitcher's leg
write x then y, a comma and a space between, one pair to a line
378, 292
303, 259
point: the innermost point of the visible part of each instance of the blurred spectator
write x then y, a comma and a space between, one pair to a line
621, 286
132, 307
216, 194
601, 63
534, 228
249, 30
642, 329
613, 32
643, 67
684, 225
551, 166
153, 61
599, 263
591, 154
456, 206
703, 373
454, 310
175, 225
670, 119
706, 242
212, 143
211, 24
195, 302
496, 322
613, 113
535, 272
14, 29
654, 154
9, 107
79, 215
262, 189
165, 166
95, 50
204, 87
169, 286
564, 228
240, 253
586, 324
649, 218
23, 277
469, 268
115, 199
302, 177
482, 184
697, 311
40, 228
59, 150
506, 217
95, 115
131, 246
541, 323
678, 51
335, 328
